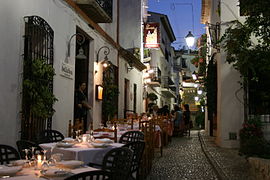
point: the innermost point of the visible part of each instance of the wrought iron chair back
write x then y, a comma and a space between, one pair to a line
138, 149
118, 161
91, 175
48, 136
7, 154
131, 136
24, 144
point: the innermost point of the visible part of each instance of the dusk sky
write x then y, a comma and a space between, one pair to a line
179, 13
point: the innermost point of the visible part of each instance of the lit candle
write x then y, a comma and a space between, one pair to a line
39, 162
84, 139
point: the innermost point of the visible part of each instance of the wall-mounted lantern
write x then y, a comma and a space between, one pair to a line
99, 92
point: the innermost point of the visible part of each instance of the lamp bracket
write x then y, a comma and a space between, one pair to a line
214, 33
79, 41
106, 52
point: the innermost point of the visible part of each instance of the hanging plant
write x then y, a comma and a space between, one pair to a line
195, 60
110, 97
249, 57
36, 89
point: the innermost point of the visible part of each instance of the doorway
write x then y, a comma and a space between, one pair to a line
126, 97
81, 76
135, 98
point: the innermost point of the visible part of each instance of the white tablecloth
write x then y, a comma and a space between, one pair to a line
81, 152
32, 174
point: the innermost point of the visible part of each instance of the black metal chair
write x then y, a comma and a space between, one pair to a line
7, 154
118, 161
24, 144
138, 149
48, 136
91, 175
131, 136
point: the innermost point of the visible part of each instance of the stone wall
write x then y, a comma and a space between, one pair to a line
259, 168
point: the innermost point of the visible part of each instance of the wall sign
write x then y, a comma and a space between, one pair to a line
151, 35
66, 70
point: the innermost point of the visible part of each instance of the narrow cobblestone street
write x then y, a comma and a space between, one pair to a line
183, 159
227, 162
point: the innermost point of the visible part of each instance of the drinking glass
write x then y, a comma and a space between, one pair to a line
26, 153
33, 158
57, 157
101, 125
109, 124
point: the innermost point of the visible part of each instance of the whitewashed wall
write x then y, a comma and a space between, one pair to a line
63, 21
135, 77
230, 114
130, 21
130, 36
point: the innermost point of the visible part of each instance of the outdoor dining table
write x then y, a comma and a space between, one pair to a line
33, 174
82, 152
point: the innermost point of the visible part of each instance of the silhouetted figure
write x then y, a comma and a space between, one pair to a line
186, 117
81, 104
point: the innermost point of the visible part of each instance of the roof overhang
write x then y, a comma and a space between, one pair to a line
131, 59
205, 12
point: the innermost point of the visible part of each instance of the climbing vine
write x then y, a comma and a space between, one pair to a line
37, 91
248, 50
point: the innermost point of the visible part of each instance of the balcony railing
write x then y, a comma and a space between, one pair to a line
168, 87
155, 77
166, 82
99, 11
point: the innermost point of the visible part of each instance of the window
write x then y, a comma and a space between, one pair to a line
38, 45
183, 62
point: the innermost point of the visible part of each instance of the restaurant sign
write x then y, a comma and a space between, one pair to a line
151, 35
66, 70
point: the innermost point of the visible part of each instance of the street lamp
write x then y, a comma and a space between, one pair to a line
190, 39
105, 62
106, 52
80, 41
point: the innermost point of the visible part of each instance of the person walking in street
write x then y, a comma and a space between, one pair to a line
178, 120
186, 118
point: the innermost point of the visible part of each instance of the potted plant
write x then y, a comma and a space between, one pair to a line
109, 104
252, 141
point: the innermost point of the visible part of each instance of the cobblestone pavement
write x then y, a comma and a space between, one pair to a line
183, 159
227, 162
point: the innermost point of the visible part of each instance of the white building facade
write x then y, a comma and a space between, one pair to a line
67, 18
230, 110
163, 82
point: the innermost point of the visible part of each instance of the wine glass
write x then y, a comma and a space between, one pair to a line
101, 125
52, 148
33, 158
76, 135
109, 124
45, 164
45, 154
26, 153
